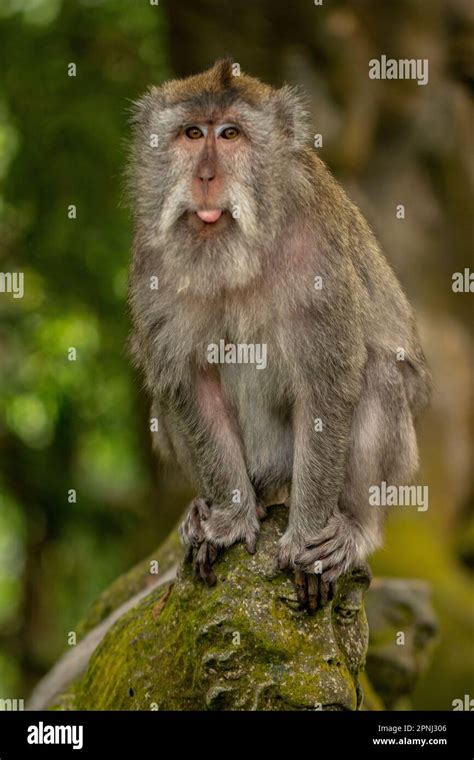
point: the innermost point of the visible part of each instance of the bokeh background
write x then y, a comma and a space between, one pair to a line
83, 425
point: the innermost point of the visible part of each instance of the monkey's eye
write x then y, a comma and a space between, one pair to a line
194, 133
230, 133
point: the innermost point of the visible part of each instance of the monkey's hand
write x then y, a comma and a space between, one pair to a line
206, 529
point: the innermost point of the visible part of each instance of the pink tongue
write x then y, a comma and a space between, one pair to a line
211, 215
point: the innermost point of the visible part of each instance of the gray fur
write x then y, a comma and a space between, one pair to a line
331, 352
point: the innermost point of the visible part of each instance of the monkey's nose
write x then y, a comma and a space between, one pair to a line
208, 177
206, 170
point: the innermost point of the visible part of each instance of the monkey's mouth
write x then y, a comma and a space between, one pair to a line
209, 216
207, 222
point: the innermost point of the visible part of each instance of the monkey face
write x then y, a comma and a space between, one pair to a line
214, 149
213, 157
216, 166
204, 213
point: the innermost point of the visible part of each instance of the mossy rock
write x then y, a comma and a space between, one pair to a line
132, 582
242, 645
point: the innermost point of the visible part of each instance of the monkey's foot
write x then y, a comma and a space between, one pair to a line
312, 591
338, 547
201, 553
205, 530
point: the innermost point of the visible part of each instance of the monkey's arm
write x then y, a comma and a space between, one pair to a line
321, 423
199, 430
332, 525
208, 447
323, 538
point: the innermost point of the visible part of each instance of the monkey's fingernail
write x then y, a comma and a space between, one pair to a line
262, 513
210, 577
313, 585
323, 593
301, 587
251, 546
207, 574
203, 572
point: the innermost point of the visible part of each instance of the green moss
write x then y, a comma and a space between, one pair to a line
242, 644
131, 583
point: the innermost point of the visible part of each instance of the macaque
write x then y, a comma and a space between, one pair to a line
244, 239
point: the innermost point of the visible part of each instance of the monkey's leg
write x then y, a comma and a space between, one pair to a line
382, 446
318, 476
207, 442
161, 440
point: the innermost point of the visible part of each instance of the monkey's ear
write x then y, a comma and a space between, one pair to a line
142, 107
292, 115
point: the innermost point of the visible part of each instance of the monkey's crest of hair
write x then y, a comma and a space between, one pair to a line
218, 81
223, 85
161, 173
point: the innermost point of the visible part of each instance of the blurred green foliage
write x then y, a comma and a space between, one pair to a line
67, 424
82, 424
